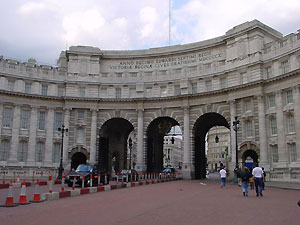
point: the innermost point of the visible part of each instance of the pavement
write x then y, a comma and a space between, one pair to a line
185, 202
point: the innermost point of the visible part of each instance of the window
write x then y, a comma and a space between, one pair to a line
148, 91
80, 136
81, 92
177, 90
223, 82
163, 91
119, 75
58, 120
80, 115
247, 105
244, 79
132, 92
274, 150
27, 88
4, 149
60, 91
22, 153
269, 72
273, 126
118, 92
10, 85
194, 88
292, 152
44, 90
133, 74
207, 66
42, 119
56, 152
285, 67
39, 154
289, 96
271, 101
103, 92
25, 118
248, 129
208, 85
290, 123
7, 117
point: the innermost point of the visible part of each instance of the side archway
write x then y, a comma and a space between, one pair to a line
78, 156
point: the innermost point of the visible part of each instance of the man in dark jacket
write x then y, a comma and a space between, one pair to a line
245, 175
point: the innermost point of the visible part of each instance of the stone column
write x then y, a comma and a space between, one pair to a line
140, 141
297, 120
232, 134
1, 117
66, 136
32, 136
187, 165
262, 131
15, 135
49, 137
280, 131
93, 136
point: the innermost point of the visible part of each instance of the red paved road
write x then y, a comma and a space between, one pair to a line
174, 203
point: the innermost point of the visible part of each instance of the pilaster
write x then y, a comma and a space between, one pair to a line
297, 120
232, 132
66, 136
187, 165
49, 137
15, 135
93, 136
32, 136
140, 141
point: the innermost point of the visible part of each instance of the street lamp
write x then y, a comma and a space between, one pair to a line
236, 126
63, 130
130, 149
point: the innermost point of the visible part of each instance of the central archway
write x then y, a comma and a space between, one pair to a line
201, 127
156, 131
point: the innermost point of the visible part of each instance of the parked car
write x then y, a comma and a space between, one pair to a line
168, 170
132, 175
86, 170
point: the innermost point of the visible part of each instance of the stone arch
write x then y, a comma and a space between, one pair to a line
249, 149
78, 155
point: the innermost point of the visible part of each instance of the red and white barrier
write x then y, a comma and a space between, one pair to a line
50, 184
74, 181
37, 195
63, 181
23, 197
10, 199
83, 180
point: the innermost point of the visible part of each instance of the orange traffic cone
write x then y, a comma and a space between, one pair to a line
23, 198
37, 196
10, 199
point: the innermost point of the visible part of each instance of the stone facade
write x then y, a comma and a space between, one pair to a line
251, 72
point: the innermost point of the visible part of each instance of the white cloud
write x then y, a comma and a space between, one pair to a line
31, 7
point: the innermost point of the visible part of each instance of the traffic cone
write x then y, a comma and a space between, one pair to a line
37, 196
10, 199
23, 197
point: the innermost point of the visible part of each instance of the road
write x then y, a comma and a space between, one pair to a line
185, 202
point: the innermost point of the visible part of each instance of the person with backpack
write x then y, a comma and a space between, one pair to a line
245, 175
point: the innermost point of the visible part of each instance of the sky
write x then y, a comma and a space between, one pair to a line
41, 29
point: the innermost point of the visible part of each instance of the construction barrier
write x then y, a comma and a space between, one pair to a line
10, 199
37, 195
23, 197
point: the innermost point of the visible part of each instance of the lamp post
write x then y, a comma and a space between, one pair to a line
130, 149
236, 126
63, 130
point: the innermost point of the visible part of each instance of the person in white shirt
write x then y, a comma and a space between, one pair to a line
258, 175
223, 177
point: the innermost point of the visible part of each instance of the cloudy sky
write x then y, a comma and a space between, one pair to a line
41, 29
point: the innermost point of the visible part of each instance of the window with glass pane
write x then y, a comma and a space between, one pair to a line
40, 149
132, 92
177, 90
291, 123
42, 120
60, 91
22, 153
4, 150
27, 88
289, 96
271, 99
223, 82
148, 91
273, 126
163, 91
58, 120
285, 66
274, 150
118, 92
56, 153
269, 72
208, 85
292, 152
194, 88
25, 118
10, 85
247, 105
249, 130
103, 92
244, 79
80, 136
7, 117
81, 92
44, 90
80, 115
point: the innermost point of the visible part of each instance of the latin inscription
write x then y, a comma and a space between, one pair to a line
164, 63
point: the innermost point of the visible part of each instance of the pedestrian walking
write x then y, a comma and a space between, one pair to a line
223, 174
245, 176
251, 180
264, 179
258, 175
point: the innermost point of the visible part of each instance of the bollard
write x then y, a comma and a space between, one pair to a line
14, 176
126, 178
91, 180
82, 183
105, 179
74, 181
63, 181
117, 178
33, 172
122, 178
99, 179
4, 176
50, 184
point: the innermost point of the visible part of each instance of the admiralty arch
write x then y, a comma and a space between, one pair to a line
104, 98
